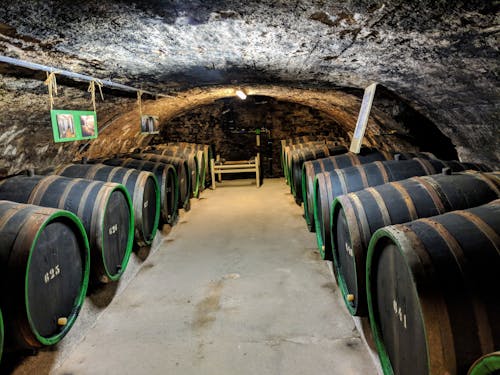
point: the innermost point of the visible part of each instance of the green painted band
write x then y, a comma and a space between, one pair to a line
486, 365
304, 195
336, 206
176, 188
376, 330
319, 230
83, 288
196, 188
130, 241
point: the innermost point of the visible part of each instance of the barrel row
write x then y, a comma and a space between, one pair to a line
313, 167
76, 226
356, 216
353, 204
409, 310
329, 185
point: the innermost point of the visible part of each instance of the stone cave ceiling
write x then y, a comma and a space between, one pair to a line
439, 56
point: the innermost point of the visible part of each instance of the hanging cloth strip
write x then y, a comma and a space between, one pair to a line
91, 89
51, 83
139, 102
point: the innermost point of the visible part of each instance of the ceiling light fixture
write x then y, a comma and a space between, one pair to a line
241, 94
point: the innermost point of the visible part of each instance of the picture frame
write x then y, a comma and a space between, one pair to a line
69, 125
150, 124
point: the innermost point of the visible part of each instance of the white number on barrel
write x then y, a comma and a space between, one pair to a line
51, 274
399, 312
348, 248
146, 204
113, 229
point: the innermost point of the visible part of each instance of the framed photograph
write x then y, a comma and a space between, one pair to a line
66, 126
150, 124
88, 125
70, 125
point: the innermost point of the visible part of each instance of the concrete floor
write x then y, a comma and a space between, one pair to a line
237, 287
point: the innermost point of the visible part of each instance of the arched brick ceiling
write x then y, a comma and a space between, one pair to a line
123, 132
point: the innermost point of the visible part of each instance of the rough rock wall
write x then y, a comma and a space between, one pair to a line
230, 124
26, 140
441, 56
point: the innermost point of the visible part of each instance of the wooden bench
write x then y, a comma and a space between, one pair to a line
240, 166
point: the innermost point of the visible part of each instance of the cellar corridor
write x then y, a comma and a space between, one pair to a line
237, 287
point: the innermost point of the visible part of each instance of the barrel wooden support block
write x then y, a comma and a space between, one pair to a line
432, 288
356, 216
311, 168
183, 174
44, 273
167, 179
142, 187
329, 185
105, 209
488, 364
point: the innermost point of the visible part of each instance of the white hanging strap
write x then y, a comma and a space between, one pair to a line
91, 89
51, 83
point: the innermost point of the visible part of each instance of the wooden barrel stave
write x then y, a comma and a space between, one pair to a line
142, 187
44, 263
402, 201
104, 208
446, 268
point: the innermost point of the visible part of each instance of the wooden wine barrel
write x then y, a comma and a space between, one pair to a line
287, 155
105, 208
329, 185
181, 167
167, 179
142, 187
488, 364
192, 160
356, 216
433, 291
292, 141
44, 273
312, 167
301, 156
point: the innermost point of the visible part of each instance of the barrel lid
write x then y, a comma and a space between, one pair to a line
394, 304
113, 276
56, 216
